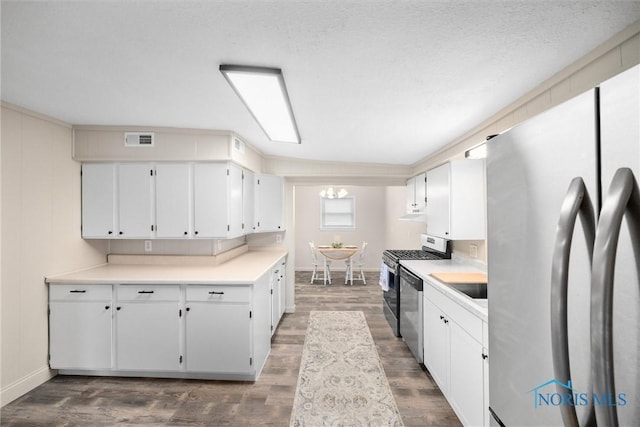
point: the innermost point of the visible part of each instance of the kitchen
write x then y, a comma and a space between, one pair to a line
41, 179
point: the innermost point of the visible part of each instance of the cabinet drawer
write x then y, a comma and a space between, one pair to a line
148, 293
80, 292
468, 321
218, 293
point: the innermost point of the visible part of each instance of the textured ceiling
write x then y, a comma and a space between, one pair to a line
369, 81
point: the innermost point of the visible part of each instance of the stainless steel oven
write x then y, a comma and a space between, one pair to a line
391, 297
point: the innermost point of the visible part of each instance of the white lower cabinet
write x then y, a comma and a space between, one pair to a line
277, 285
466, 386
190, 331
455, 354
283, 285
147, 328
80, 326
274, 285
217, 329
436, 344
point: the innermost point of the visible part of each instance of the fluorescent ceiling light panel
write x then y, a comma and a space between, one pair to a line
265, 95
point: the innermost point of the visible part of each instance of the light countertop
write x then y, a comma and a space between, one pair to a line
244, 269
425, 268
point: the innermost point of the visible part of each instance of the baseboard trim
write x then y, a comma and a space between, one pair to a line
25, 384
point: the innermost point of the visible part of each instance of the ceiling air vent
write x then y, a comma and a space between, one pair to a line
138, 139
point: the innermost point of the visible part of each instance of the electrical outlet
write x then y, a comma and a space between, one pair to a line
147, 246
278, 238
473, 251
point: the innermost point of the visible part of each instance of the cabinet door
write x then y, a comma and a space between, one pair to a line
210, 205
485, 380
269, 203
173, 199
420, 191
80, 334
134, 200
248, 201
283, 285
411, 194
416, 193
234, 196
147, 336
438, 201
466, 385
436, 345
98, 200
467, 200
218, 337
275, 298
217, 193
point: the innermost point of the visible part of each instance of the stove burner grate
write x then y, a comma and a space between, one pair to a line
412, 254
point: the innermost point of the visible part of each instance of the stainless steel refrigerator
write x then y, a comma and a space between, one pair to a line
564, 262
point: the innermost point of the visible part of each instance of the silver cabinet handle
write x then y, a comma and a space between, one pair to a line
576, 202
622, 198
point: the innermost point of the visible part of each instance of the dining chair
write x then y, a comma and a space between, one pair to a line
358, 264
326, 271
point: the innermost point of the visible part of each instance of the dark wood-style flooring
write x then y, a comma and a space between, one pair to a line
104, 401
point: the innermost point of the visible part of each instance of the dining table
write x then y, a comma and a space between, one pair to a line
343, 252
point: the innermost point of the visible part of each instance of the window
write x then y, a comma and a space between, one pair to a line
338, 214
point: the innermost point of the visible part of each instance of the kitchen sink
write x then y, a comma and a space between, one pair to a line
473, 290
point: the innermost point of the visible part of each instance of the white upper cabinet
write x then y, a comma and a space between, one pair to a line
438, 207
416, 193
234, 198
173, 200
217, 195
116, 200
177, 200
456, 201
209, 187
248, 201
134, 200
269, 201
98, 200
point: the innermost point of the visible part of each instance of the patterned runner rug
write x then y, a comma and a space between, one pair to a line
341, 380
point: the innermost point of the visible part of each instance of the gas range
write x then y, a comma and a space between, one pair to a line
433, 249
392, 257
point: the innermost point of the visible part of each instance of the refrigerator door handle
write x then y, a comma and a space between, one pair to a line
576, 202
622, 198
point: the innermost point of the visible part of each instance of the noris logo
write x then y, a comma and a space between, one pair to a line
557, 393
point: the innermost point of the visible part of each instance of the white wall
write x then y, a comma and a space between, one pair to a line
40, 236
370, 224
378, 210
400, 234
